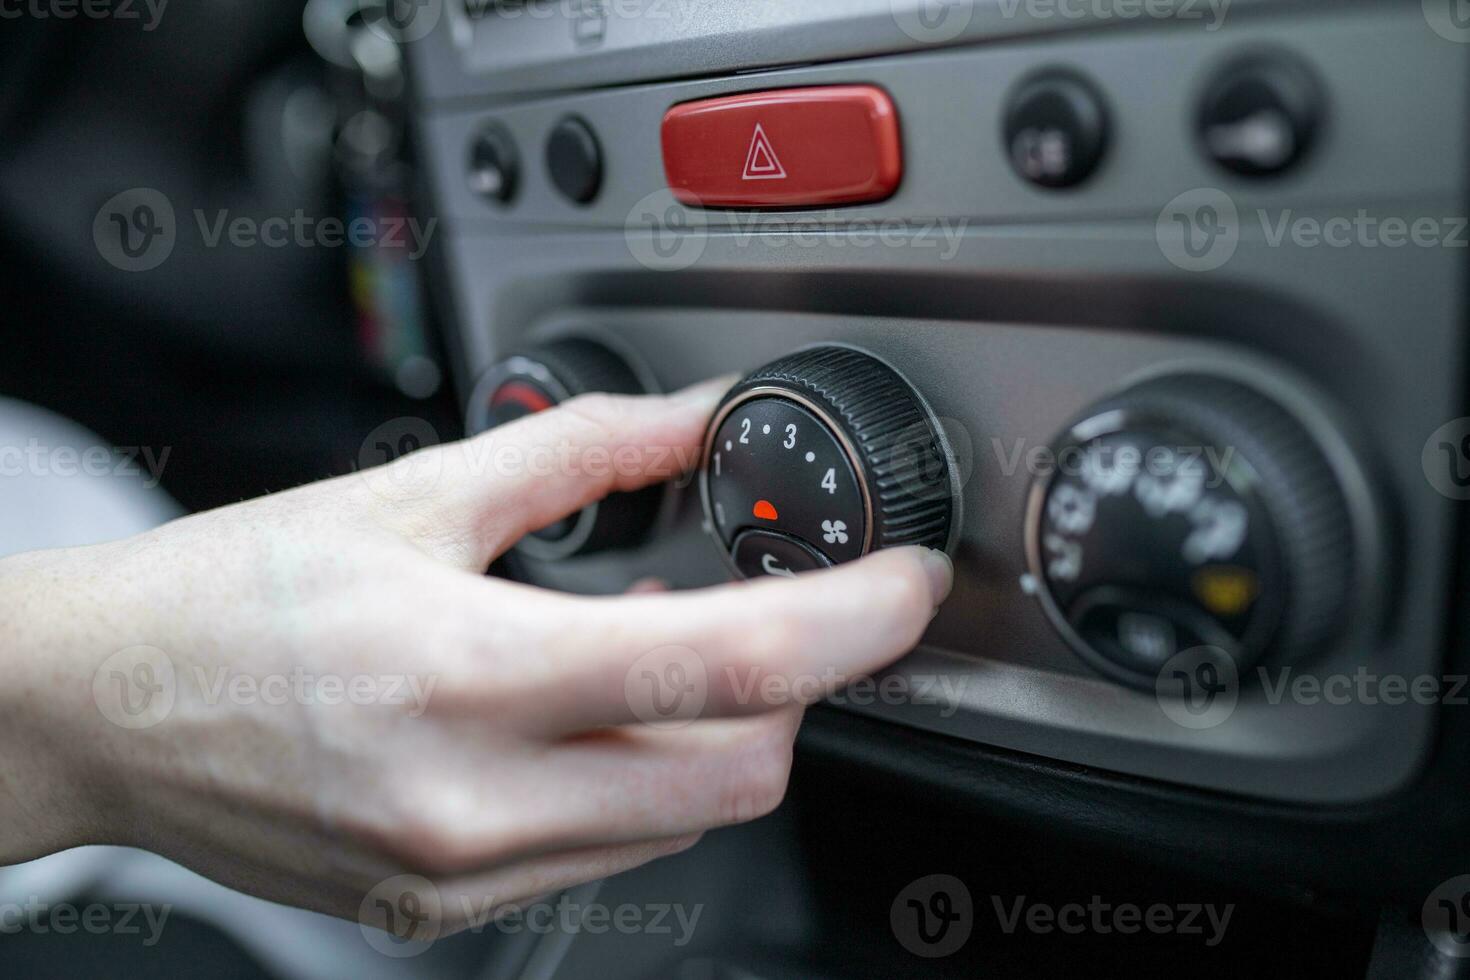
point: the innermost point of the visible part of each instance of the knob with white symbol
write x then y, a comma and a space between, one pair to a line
1261, 115
1191, 511
539, 379
821, 457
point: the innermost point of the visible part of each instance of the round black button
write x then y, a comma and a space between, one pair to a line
758, 553
494, 169
1260, 115
1056, 130
574, 160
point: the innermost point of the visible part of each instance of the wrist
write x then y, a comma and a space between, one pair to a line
55, 743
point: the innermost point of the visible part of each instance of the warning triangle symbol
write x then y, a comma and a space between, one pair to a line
761, 162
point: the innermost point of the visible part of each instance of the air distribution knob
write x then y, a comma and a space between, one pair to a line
1191, 513
821, 457
541, 378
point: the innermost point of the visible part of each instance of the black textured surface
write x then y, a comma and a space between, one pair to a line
901, 460
585, 366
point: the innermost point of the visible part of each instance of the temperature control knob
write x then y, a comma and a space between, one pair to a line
821, 457
1190, 513
537, 380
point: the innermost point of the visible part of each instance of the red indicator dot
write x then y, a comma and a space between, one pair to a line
765, 510
530, 398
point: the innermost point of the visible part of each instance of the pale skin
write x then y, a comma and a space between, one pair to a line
526, 770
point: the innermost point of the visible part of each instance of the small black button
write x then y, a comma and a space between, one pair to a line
1261, 115
759, 553
1141, 633
575, 160
494, 164
1056, 130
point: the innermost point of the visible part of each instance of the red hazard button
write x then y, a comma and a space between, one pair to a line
798, 147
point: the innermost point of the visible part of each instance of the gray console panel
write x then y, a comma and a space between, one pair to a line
1013, 309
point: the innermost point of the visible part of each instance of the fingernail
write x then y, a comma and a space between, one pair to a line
648, 585
941, 573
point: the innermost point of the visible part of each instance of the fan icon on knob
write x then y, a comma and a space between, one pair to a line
834, 532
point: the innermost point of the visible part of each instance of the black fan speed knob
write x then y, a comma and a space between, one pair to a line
539, 379
821, 457
1191, 513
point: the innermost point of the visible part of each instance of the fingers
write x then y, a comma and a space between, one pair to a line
490, 491
734, 650
613, 787
476, 900
457, 900
637, 781
582, 666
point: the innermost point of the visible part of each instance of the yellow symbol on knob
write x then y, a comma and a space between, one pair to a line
1226, 590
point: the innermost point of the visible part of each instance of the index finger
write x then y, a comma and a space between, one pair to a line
495, 488
737, 649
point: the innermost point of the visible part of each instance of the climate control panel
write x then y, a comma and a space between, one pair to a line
1064, 259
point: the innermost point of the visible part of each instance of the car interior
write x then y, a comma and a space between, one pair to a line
1150, 313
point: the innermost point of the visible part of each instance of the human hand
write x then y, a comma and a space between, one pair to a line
497, 739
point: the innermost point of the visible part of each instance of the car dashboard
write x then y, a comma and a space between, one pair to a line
1215, 244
